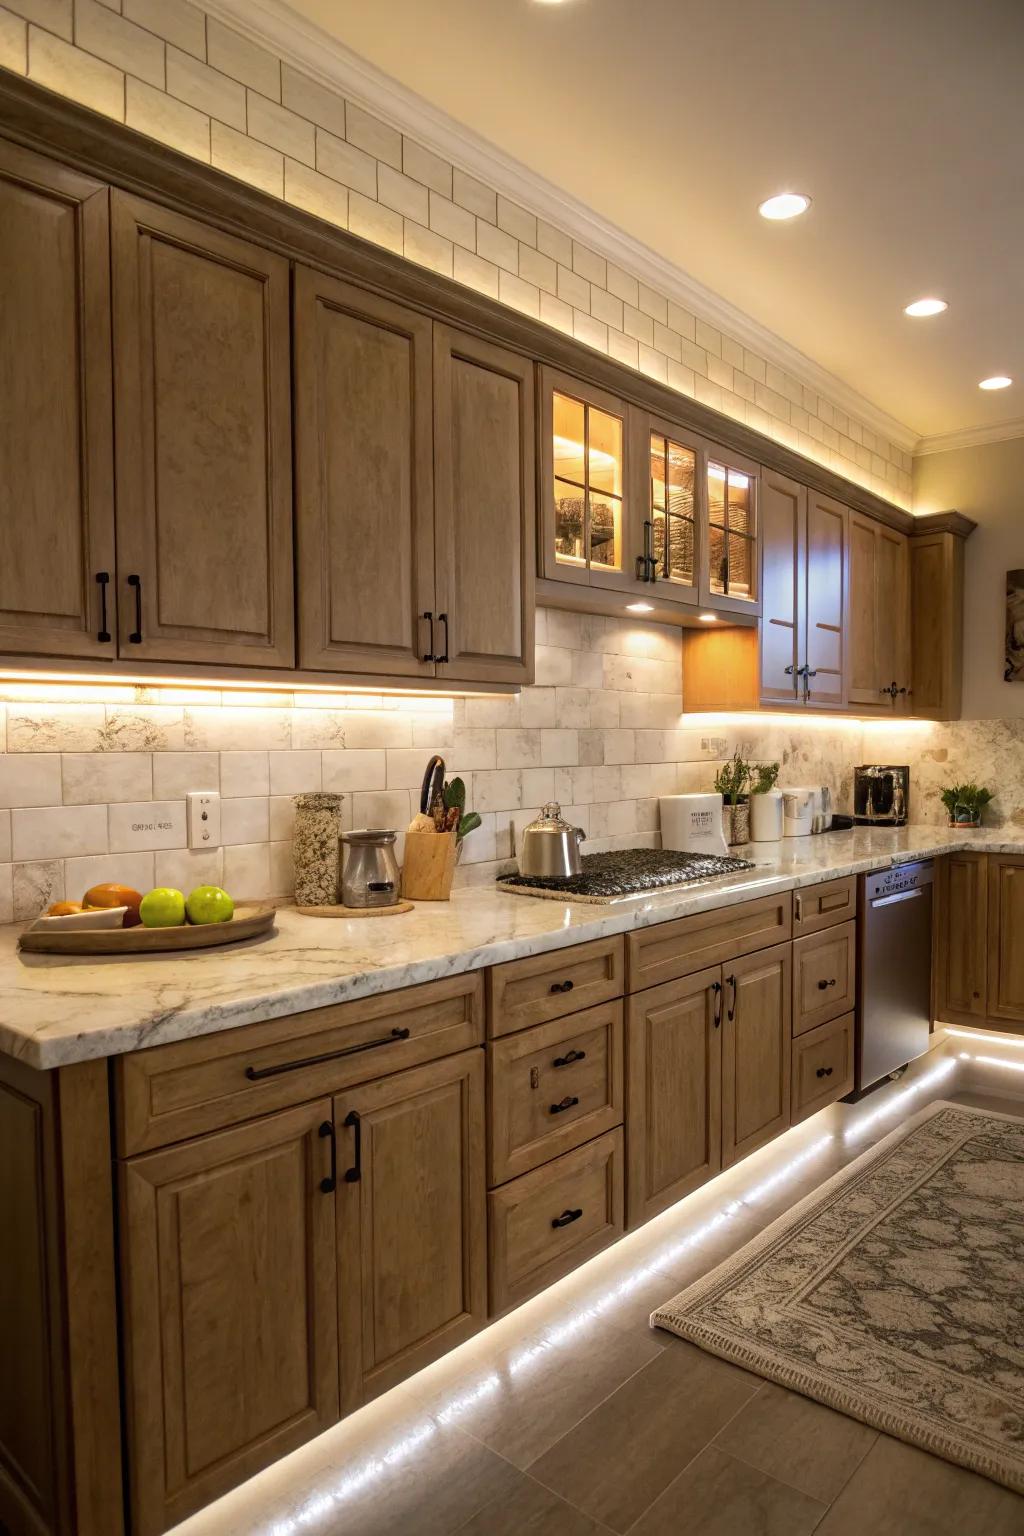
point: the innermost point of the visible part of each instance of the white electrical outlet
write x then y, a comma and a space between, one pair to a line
713, 746
203, 818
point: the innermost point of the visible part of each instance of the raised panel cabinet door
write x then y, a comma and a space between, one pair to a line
756, 1048
673, 1091
937, 624
825, 649
893, 609
783, 587
56, 433
202, 390
878, 617
230, 1308
1006, 943
412, 1244
485, 499
364, 481
961, 950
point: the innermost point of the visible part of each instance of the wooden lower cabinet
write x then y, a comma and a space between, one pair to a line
961, 951
756, 1036
1006, 938
822, 1066
412, 1265
673, 1076
824, 976
229, 1275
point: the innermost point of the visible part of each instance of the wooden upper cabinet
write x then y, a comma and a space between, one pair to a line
937, 624
1006, 924
412, 1246
229, 1279
824, 654
56, 438
664, 514
586, 494
484, 510
878, 608
756, 1051
364, 489
202, 396
783, 587
730, 578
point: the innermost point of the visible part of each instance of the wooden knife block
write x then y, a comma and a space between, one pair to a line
429, 866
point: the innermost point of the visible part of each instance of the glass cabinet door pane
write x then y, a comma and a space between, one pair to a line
673, 468
716, 495
570, 524
741, 566
569, 438
605, 452
739, 503
587, 459
605, 532
716, 559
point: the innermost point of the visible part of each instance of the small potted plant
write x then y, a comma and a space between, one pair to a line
765, 804
965, 803
731, 782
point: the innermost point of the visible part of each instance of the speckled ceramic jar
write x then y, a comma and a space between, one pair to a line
736, 823
316, 849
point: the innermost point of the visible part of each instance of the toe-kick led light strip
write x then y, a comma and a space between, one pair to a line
983, 1039
898, 1100
994, 1061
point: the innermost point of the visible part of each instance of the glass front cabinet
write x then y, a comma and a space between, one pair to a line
637, 503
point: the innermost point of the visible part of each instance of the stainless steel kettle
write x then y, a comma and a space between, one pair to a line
551, 846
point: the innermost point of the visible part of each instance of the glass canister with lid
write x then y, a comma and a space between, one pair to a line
370, 875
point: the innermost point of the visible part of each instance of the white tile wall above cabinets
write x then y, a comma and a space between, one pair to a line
191, 81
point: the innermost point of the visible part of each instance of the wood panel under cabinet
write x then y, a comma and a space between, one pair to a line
960, 953
824, 976
667, 950
543, 987
364, 480
1006, 938
673, 1077
412, 1244
821, 906
56, 431
548, 1222
229, 1276
756, 1040
484, 510
878, 606
168, 1092
822, 1066
553, 1087
202, 385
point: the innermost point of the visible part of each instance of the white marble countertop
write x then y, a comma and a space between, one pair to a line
57, 1010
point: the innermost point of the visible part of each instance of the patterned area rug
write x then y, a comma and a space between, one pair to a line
894, 1293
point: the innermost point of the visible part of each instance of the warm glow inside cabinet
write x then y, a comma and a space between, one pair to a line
667, 535
730, 580
584, 484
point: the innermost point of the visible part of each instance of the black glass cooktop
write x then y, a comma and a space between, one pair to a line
628, 872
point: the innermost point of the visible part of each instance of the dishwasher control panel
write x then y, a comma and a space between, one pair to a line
902, 877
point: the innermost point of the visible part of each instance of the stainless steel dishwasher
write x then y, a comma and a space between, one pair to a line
894, 969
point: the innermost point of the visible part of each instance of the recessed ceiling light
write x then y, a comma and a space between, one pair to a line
708, 618
786, 205
630, 607
997, 381
921, 308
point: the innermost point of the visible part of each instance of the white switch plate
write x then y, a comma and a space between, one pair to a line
203, 818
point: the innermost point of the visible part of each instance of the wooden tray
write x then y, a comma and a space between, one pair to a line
250, 919
393, 911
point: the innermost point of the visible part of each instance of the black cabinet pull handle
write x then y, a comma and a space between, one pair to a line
716, 988
561, 986
566, 1103
568, 1059
355, 1173
135, 638
428, 654
824, 985
443, 617
103, 633
331, 1182
824, 1072
254, 1074
566, 1217
730, 981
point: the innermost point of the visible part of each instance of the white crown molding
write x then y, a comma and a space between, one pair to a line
300, 42
971, 437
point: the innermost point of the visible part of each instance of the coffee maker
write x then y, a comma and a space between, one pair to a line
881, 796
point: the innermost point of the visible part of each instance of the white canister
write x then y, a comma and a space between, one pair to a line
766, 817
798, 811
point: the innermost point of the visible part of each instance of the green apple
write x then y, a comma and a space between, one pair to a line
209, 904
162, 908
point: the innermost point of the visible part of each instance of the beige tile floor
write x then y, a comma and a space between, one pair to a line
572, 1417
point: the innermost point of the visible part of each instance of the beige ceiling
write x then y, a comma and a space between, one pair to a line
904, 119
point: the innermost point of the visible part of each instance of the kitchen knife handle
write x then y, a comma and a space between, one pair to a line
428, 789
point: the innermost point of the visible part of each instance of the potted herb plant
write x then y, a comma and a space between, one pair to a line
732, 781
965, 803
765, 804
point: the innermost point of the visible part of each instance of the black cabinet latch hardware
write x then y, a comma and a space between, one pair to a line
561, 986
254, 1074
566, 1217
824, 1072
103, 633
568, 1059
567, 1103
355, 1173
331, 1182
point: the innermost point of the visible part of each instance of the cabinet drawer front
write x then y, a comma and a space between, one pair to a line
174, 1091
824, 905
554, 1087
824, 976
822, 1066
667, 950
544, 987
547, 1222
